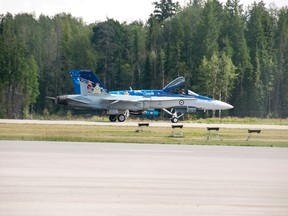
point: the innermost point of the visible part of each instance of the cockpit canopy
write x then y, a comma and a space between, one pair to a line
174, 84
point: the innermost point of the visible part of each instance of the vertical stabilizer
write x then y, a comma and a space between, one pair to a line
89, 75
86, 76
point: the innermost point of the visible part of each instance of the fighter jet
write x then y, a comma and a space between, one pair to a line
151, 100
118, 106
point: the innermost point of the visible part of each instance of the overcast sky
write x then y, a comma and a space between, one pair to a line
97, 10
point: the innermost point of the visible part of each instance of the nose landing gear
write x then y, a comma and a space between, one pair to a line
175, 116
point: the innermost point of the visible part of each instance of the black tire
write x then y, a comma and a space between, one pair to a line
121, 118
113, 118
174, 120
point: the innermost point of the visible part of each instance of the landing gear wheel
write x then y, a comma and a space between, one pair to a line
121, 118
174, 120
113, 118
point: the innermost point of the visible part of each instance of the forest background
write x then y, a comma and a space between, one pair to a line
225, 52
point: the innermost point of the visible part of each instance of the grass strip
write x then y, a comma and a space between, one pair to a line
162, 135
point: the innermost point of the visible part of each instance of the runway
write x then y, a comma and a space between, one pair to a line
105, 179
152, 124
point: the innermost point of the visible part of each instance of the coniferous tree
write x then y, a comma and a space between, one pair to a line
165, 9
137, 34
259, 38
108, 41
233, 28
208, 32
209, 28
280, 93
154, 44
190, 18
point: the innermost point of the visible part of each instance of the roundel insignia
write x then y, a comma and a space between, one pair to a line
181, 102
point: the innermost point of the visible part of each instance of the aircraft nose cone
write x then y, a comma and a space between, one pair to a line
229, 106
220, 105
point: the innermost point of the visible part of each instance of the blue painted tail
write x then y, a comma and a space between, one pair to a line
84, 74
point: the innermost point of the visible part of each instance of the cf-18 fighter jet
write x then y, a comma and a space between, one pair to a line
119, 104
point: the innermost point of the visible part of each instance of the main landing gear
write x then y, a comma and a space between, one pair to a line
120, 118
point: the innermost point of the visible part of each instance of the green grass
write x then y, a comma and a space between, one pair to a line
234, 120
162, 135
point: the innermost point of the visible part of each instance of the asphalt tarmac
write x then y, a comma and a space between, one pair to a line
103, 179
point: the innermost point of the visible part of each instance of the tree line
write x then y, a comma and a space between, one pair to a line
225, 52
